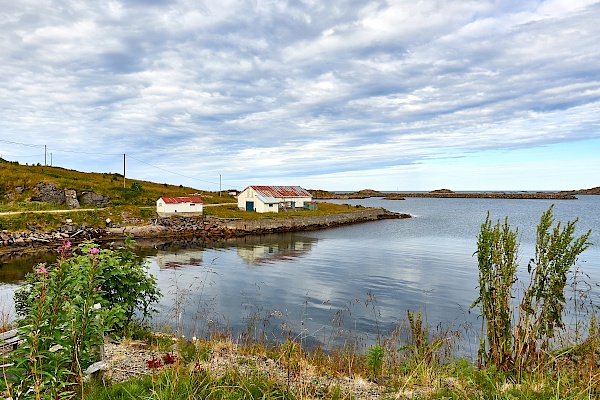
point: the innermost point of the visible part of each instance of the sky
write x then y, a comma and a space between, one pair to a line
345, 95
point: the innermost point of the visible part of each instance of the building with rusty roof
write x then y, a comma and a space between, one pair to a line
273, 198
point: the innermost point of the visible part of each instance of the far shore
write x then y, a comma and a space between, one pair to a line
447, 193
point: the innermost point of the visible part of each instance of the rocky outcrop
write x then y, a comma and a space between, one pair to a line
93, 199
593, 191
71, 198
361, 194
48, 192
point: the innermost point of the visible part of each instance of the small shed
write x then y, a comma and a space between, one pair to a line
179, 205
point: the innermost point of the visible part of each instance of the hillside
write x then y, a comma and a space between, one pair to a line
19, 187
99, 197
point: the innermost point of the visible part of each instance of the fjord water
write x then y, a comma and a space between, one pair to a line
358, 279
330, 285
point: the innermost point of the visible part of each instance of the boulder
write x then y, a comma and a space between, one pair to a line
48, 192
94, 199
71, 198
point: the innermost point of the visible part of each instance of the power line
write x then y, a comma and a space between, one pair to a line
171, 172
22, 144
107, 154
61, 150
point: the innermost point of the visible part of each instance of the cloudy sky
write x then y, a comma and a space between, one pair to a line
336, 95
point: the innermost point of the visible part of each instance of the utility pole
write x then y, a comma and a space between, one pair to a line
123, 170
45, 152
219, 185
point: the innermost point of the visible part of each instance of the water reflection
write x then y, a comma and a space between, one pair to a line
273, 249
167, 259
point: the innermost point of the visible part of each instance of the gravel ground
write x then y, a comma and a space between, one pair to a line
129, 359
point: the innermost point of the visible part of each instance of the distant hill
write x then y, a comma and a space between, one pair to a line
595, 190
361, 194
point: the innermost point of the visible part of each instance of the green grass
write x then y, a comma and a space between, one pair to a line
232, 211
412, 377
135, 201
13, 176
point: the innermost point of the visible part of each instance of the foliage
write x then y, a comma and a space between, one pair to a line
64, 322
127, 284
123, 283
375, 356
497, 257
177, 383
66, 309
520, 341
137, 187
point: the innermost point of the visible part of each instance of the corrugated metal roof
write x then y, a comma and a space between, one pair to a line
174, 200
281, 191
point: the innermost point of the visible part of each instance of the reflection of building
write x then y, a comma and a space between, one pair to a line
273, 198
264, 253
168, 259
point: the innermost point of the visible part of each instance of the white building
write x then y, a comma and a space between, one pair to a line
179, 205
272, 198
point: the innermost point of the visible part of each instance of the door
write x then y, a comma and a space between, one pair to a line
249, 206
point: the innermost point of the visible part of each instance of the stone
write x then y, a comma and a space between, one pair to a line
93, 199
48, 192
71, 198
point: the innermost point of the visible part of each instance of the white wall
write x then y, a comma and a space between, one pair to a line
162, 207
249, 194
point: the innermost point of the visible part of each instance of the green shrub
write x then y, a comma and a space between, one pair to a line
66, 309
519, 338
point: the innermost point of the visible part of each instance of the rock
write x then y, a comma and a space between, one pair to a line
94, 199
71, 198
19, 190
48, 192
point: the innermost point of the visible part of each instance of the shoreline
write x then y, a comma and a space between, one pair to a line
203, 227
447, 194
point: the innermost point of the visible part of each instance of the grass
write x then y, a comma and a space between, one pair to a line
134, 204
232, 211
18, 182
288, 371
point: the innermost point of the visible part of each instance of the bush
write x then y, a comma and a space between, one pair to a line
66, 309
518, 338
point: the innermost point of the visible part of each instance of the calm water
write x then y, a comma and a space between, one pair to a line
325, 286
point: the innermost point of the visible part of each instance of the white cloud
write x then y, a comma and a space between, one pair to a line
308, 91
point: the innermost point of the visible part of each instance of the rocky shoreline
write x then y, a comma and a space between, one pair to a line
486, 195
446, 193
206, 228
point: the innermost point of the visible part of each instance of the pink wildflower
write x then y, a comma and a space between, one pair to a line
94, 251
41, 270
67, 244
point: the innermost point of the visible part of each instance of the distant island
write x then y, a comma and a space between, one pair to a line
447, 193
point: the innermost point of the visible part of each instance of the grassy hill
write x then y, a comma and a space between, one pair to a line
18, 185
134, 202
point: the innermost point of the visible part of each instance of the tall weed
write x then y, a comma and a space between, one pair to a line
519, 338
